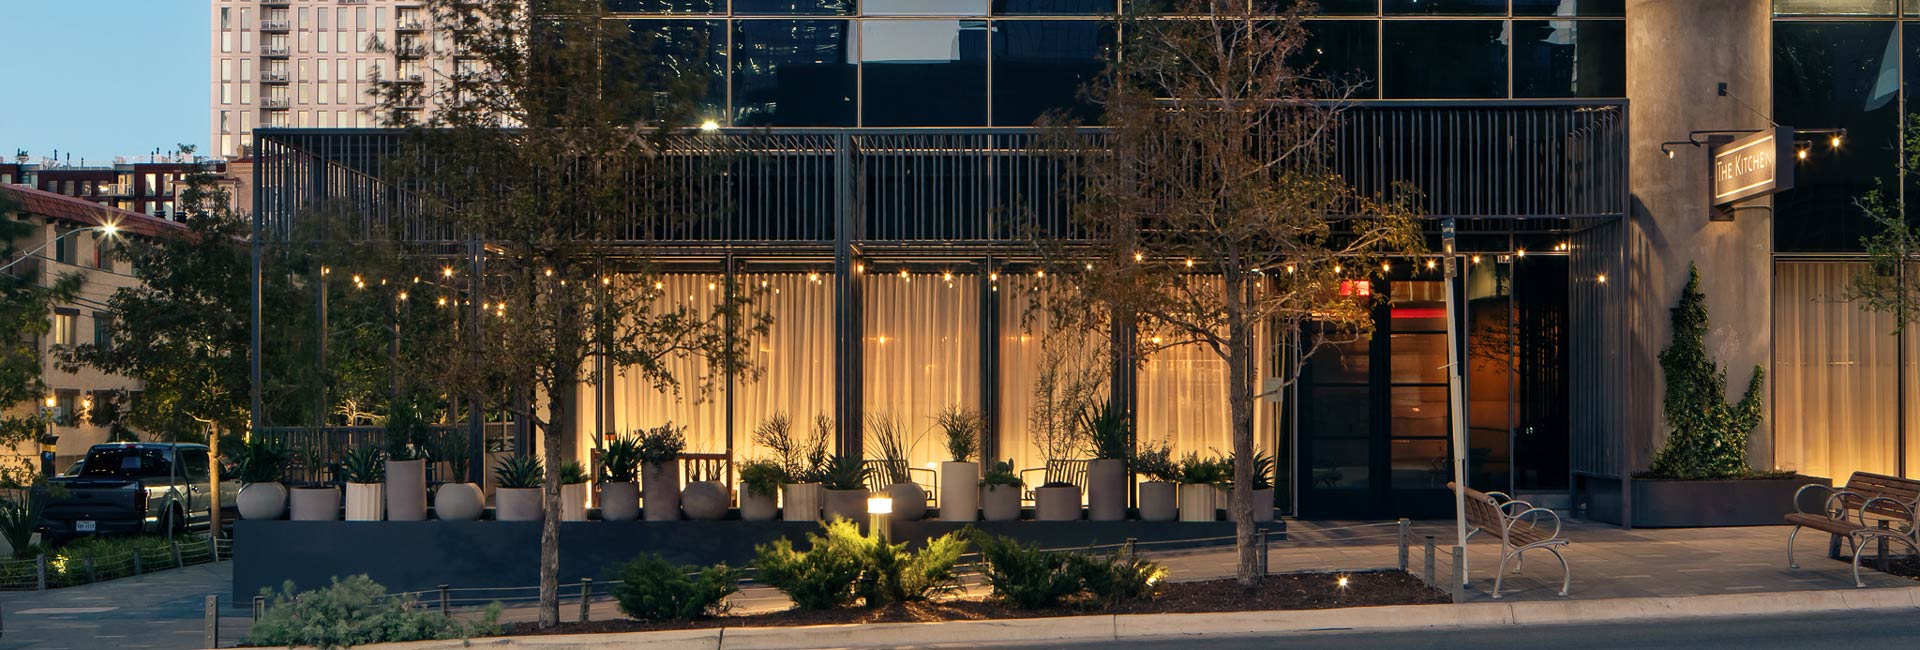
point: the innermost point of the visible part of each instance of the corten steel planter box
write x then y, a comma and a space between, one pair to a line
1670, 503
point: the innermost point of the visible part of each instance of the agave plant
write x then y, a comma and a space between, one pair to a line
520, 472
261, 460
572, 473
620, 463
844, 473
1107, 428
1262, 470
365, 464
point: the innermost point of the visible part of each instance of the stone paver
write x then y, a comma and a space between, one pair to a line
164, 610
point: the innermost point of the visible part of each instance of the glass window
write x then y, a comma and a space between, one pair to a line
677, 49
1445, 7
1833, 7
665, 6
793, 73
64, 323
1040, 65
921, 350
1569, 58
1348, 7
794, 7
924, 7
924, 72
125, 462
1834, 74
1569, 7
1475, 52
103, 329
1343, 51
1054, 7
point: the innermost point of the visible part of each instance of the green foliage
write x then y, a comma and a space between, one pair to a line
456, 450
761, 477
1888, 286
24, 306
406, 430
261, 460
652, 589
113, 557
803, 460
356, 611
844, 473
1118, 577
19, 516
1026, 577
1262, 470
962, 429
1195, 470
1001, 472
572, 473
662, 444
364, 465
519, 472
822, 577
1108, 430
621, 460
1156, 463
1706, 436
889, 438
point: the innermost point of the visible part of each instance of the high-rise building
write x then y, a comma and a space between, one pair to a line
309, 63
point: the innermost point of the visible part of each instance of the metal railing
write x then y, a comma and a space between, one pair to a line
67, 569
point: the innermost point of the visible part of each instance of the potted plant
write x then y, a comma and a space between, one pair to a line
760, 489
406, 461
705, 497
845, 483
261, 464
456, 500
619, 485
1262, 485
660, 449
1112, 437
1200, 481
365, 472
313, 502
517, 483
1159, 493
802, 461
573, 491
1000, 492
890, 439
959, 477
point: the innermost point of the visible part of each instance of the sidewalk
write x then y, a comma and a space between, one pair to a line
163, 610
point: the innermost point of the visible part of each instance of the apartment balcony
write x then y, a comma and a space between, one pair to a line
410, 51
275, 51
409, 78
273, 76
281, 26
273, 4
409, 26
275, 103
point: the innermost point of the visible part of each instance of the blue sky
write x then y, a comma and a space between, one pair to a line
103, 78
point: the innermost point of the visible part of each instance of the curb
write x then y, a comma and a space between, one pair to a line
1120, 627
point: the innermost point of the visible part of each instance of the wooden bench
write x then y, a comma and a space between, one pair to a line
1522, 528
1869, 507
1073, 472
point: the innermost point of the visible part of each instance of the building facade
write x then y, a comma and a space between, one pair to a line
150, 187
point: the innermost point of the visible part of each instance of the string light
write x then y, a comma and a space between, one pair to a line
1139, 257
1520, 253
948, 276
606, 280
1289, 269
1341, 581
1474, 260
325, 270
403, 295
356, 278
711, 286
1386, 266
1089, 266
443, 301
860, 268
549, 273
764, 284
1602, 278
813, 277
446, 271
1431, 264
657, 285
416, 279
1189, 262
1336, 268
993, 277
1040, 273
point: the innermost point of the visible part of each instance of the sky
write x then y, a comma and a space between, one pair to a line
103, 78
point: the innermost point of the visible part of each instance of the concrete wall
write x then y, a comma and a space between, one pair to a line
1678, 52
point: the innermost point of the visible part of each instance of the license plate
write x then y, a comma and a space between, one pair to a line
83, 526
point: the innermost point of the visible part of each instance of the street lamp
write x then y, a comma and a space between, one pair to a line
108, 229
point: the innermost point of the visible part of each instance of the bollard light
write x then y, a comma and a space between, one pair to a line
880, 517
879, 505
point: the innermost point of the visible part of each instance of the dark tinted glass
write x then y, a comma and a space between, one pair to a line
1444, 59
1054, 7
1444, 7
125, 462
793, 73
1834, 74
1835, 7
667, 6
924, 72
1569, 58
1348, 8
794, 7
1040, 65
1343, 51
679, 49
1569, 7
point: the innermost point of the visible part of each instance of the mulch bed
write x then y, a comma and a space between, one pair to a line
1297, 591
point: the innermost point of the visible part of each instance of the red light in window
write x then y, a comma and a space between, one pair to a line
1361, 288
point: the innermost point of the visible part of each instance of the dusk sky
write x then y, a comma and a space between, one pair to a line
103, 78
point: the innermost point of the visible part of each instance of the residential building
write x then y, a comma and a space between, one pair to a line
149, 187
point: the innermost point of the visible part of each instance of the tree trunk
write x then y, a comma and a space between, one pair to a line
1240, 403
213, 484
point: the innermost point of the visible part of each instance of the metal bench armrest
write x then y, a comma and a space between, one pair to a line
1894, 502
1511, 508
1811, 486
1536, 513
1840, 497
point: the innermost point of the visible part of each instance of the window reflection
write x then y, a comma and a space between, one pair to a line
794, 7
1345, 52
1054, 7
678, 49
1569, 7
1833, 7
1041, 65
1569, 58
924, 72
1444, 7
793, 73
925, 7
1835, 74
1475, 52
665, 6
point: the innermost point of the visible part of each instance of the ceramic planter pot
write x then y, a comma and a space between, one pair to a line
458, 502
573, 502
959, 491
262, 500
909, 501
1263, 506
707, 500
1000, 502
850, 505
314, 503
1199, 502
1107, 490
364, 501
660, 486
619, 501
517, 504
1159, 501
1056, 503
801, 501
755, 506
407, 490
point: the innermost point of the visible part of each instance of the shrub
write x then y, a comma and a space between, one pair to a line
261, 460
962, 429
652, 589
355, 611
895, 576
662, 444
890, 440
1262, 470
1107, 428
406, 429
621, 462
1156, 463
845, 566
572, 473
1706, 436
1195, 470
1026, 577
19, 516
822, 577
520, 472
1118, 577
761, 477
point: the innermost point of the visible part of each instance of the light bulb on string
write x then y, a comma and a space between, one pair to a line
1474, 260
1386, 267
416, 279
403, 296
1089, 266
1289, 269
1336, 268
1139, 257
993, 277
1040, 273
1602, 278
1431, 264
1189, 262
813, 277
1520, 253
443, 301
948, 276
446, 271
549, 273
658, 285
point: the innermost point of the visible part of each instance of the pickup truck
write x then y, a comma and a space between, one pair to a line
134, 488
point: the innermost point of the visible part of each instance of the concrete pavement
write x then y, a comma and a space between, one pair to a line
164, 610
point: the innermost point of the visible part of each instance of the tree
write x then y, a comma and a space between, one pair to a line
1706, 436
26, 309
556, 135
1207, 207
1887, 288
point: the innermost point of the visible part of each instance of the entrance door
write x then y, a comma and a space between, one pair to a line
1540, 449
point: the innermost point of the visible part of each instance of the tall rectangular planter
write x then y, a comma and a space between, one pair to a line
1668, 503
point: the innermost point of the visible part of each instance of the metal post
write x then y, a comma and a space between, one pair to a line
136, 561
40, 569
91, 576
213, 621
1456, 402
1429, 568
178, 561
259, 607
1261, 552
1459, 586
446, 601
1127, 548
1404, 526
1882, 547
586, 599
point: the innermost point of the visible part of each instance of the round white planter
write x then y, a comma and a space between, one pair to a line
517, 504
458, 502
1159, 501
1199, 502
406, 490
364, 501
850, 505
262, 500
660, 486
755, 506
1107, 490
1000, 502
314, 503
706, 500
959, 491
619, 501
801, 501
909, 501
1058, 503
573, 502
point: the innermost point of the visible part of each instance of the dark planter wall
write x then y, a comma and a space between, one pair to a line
1663, 503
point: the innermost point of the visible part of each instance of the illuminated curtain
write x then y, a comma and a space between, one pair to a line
1833, 367
1023, 344
922, 353
796, 358
1183, 399
638, 404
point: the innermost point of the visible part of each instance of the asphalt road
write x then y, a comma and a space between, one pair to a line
1872, 629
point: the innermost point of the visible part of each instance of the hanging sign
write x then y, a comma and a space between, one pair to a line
1760, 163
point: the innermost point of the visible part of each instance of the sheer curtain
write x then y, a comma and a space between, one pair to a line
639, 404
1024, 346
922, 353
1183, 399
1833, 367
796, 359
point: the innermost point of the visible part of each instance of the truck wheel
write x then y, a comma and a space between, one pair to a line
174, 525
